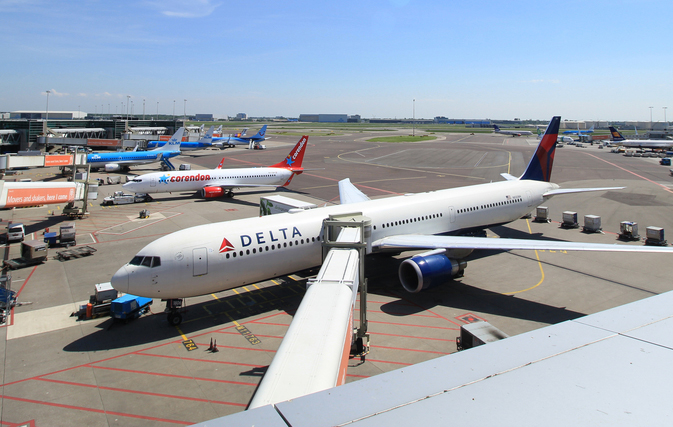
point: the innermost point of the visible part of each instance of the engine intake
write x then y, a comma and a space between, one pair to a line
212, 192
427, 270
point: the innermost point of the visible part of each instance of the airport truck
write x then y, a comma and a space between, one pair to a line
119, 198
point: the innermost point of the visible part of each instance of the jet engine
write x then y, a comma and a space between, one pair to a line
112, 167
212, 192
429, 269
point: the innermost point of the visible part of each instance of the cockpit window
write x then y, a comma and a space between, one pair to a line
147, 261
137, 180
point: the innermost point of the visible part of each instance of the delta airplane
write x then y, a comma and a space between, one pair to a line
617, 137
205, 142
218, 182
117, 161
215, 257
241, 139
496, 129
578, 131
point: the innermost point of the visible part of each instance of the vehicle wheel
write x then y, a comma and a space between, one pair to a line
174, 319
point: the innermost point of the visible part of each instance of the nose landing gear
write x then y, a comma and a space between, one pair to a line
174, 309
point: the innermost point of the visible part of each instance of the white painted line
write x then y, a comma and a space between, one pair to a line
44, 320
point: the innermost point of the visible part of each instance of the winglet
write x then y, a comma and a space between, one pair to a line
348, 193
294, 159
540, 165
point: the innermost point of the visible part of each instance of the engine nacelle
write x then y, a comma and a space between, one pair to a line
112, 167
427, 270
212, 192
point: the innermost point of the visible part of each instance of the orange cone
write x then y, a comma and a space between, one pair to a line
215, 350
211, 345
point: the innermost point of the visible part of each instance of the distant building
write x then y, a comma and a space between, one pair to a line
53, 115
203, 117
355, 118
241, 116
324, 118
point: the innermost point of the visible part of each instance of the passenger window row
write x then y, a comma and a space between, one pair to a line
273, 247
409, 221
490, 205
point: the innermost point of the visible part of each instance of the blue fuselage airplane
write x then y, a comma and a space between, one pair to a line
241, 139
205, 142
113, 162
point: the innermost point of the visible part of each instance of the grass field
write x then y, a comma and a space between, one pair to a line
403, 138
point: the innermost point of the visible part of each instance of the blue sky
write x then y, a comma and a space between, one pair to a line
595, 60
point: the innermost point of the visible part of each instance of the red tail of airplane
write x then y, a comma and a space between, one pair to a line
221, 163
294, 159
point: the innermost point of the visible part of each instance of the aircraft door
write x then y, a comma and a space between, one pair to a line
452, 214
200, 259
530, 198
153, 182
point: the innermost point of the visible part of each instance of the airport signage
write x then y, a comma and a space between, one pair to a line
21, 197
58, 160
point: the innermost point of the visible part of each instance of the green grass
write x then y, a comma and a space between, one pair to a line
403, 138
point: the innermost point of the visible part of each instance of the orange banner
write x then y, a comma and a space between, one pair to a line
167, 137
18, 197
57, 160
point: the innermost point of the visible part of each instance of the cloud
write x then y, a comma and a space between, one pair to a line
185, 8
82, 94
53, 92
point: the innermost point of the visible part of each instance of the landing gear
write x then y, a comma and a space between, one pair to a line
229, 194
173, 308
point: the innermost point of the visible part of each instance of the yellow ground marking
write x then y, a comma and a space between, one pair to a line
538, 263
184, 337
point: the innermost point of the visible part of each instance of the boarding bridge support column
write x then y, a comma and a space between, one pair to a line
331, 230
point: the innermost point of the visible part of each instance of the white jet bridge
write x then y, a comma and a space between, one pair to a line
315, 351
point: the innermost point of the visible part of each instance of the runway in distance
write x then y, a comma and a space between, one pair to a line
219, 182
117, 161
618, 138
496, 129
215, 257
241, 139
205, 142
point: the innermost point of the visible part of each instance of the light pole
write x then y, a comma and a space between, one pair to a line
143, 108
108, 109
651, 117
413, 121
47, 116
174, 110
184, 118
157, 110
128, 97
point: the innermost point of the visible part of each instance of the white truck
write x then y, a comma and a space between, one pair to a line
275, 204
119, 198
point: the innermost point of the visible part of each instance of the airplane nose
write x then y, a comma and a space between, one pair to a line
120, 280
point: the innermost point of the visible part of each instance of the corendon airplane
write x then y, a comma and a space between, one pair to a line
218, 182
215, 257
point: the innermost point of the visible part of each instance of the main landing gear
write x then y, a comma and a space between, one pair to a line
229, 194
173, 308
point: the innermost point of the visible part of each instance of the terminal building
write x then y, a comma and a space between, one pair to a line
324, 118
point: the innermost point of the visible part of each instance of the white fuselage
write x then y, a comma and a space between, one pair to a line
646, 143
194, 180
214, 257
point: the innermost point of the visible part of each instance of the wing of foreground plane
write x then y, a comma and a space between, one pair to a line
578, 190
419, 241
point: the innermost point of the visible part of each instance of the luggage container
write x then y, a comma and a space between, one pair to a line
542, 214
592, 224
104, 292
628, 230
655, 236
569, 220
478, 333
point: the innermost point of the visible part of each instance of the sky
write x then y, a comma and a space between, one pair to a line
583, 60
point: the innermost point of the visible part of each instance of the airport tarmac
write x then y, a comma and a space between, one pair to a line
57, 370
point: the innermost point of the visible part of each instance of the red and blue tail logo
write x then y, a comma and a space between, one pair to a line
539, 168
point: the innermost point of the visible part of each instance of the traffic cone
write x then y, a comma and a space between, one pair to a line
215, 350
211, 345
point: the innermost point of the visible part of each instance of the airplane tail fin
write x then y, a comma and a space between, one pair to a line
496, 128
540, 165
294, 159
221, 163
616, 135
172, 144
208, 137
261, 134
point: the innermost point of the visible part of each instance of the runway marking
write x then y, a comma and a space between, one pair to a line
538, 263
632, 173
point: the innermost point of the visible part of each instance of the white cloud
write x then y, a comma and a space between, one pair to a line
53, 92
185, 8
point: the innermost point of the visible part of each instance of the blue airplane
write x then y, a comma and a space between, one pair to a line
205, 142
113, 162
241, 139
578, 131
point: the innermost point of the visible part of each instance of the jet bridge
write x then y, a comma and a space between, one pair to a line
315, 351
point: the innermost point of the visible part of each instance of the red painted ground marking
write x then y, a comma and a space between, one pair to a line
632, 173
358, 376
425, 309
387, 361
413, 337
185, 377
230, 347
469, 318
199, 360
402, 303
30, 423
409, 349
123, 390
11, 313
414, 326
98, 411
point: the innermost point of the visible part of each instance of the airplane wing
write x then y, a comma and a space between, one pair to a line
577, 190
416, 241
348, 193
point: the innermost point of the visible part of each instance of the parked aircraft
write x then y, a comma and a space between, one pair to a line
218, 182
205, 142
241, 139
113, 162
618, 138
214, 257
579, 131
496, 129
